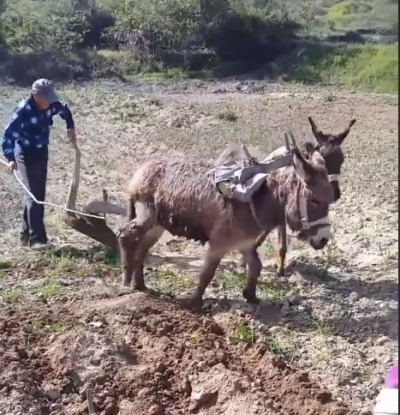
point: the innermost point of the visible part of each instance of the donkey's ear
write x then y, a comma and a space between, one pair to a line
340, 137
303, 168
316, 131
309, 147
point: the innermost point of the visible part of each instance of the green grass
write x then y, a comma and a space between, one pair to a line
128, 64
343, 13
11, 295
169, 282
376, 15
369, 67
242, 334
5, 266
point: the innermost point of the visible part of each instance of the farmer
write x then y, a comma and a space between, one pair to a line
25, 146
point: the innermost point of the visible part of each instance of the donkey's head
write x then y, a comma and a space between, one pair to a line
308, 196
329, 146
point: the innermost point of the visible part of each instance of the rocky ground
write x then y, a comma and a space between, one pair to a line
322, 339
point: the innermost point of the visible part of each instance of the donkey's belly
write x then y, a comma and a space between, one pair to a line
189, 232
187, 226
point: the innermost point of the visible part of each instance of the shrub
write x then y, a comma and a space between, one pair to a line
371, 67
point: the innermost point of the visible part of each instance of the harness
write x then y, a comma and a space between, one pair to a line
334, 177
240, 180
303, 216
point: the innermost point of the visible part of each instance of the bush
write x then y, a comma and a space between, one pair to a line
188, 34
250, 38
373, 68
75, 39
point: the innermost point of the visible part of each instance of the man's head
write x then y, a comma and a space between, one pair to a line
43, 93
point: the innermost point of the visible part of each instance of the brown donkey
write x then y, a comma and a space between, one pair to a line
327, 144
179, 197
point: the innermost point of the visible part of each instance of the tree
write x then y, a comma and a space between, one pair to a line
307, 14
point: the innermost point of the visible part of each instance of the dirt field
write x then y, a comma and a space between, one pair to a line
323, 337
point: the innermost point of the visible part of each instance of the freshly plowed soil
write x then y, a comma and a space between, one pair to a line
325, 334
143, 355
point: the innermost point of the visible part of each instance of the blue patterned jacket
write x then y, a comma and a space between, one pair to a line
29, 127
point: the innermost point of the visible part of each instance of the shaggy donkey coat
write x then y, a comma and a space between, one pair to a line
180, 198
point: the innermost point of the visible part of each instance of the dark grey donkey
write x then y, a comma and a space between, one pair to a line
327, 144
179, 197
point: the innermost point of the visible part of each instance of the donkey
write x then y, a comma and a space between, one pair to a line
328, 145
179, 197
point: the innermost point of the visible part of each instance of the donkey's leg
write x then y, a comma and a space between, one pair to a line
210, 265
260, 241
149, 239
253, 273
282, 250
242, 261
127, 249
130, 238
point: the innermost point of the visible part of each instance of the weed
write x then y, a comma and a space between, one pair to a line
227, 114
270, 250
321, 327
231, 280
277, 348
48, 290
330, 97
5, 266
52, 328
38, 328
273, 292
243, 334
167, 281
388, 255
12, 295
322, 354
195, 336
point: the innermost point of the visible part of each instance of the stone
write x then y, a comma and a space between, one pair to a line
156, 410
111, 409
53, 394
143, 392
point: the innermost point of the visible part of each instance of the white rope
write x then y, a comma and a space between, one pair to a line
88, 215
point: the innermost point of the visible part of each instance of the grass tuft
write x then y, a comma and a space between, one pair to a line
243, 333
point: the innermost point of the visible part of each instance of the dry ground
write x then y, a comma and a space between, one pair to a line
322, 339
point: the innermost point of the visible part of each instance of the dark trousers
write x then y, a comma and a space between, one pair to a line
32, 168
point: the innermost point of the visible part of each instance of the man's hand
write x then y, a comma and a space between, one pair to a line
12, 166
71, 135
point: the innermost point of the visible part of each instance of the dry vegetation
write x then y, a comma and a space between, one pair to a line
328, 327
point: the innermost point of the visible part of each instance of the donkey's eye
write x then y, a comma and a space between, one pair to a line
316, 202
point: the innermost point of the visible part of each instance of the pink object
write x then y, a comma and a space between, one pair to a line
392, 379
387, 400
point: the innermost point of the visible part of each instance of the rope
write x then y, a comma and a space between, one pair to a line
19, 180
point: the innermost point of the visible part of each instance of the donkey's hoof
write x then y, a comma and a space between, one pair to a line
140, 287
250, 296
193, 303
280, 272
